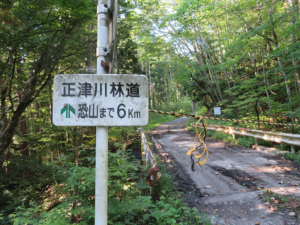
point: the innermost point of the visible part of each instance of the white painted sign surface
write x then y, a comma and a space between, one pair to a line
100, 100
217, 110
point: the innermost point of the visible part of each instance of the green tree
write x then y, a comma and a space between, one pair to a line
38, 39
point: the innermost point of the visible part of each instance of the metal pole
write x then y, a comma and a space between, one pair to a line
101, 132
293, 149
101, 175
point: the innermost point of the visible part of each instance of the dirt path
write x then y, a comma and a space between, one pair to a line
226, 187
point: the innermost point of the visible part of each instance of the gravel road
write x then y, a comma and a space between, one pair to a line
228, 187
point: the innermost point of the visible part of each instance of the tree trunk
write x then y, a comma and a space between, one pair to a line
288, 90
171, 81
76, 144
193, 109
296, 72
208, 91
24, 149
266, 87
37, 107
89, 64
220, 51
258, 122
151, 88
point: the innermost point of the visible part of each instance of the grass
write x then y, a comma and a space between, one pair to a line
123, 134
170, 202
281, 202
155, 119
172, 206
184, 106
168, 207
294, 157
246, 142
239, 140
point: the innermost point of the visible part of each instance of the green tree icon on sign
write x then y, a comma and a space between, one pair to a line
67, 108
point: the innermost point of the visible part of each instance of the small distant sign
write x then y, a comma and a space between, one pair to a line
217, 110
100, 100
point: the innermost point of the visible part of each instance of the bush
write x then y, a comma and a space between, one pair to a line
295, 157
129, 200
183, 106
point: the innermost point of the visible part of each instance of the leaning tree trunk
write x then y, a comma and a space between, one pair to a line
151, 87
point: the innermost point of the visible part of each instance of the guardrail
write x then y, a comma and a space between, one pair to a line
148, 156
287, 138
154, 175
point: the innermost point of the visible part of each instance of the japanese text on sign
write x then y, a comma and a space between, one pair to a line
95, 100
86, 89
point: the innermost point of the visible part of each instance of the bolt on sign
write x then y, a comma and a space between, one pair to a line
100, 100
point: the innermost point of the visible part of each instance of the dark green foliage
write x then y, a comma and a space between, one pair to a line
294, 157
48, 172
72, 190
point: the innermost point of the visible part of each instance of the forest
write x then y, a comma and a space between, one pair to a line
241, 55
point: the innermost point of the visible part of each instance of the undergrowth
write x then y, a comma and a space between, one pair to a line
246, 142
294, 157
62, 192
182, 106
281, 202
129, 201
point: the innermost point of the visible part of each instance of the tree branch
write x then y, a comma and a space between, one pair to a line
11, 79
251, 28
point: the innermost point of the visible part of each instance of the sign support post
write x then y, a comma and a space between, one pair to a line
101, 192
101, 100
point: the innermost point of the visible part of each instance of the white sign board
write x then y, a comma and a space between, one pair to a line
100, 100
217, 110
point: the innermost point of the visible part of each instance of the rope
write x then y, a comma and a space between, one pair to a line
177, 115
202, 143
201, 137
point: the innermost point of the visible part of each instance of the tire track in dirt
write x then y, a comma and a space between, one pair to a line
226, 187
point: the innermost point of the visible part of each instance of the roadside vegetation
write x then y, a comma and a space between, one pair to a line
240, 55
280, 202
294, 157
246, 142
184, 105
60, 189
